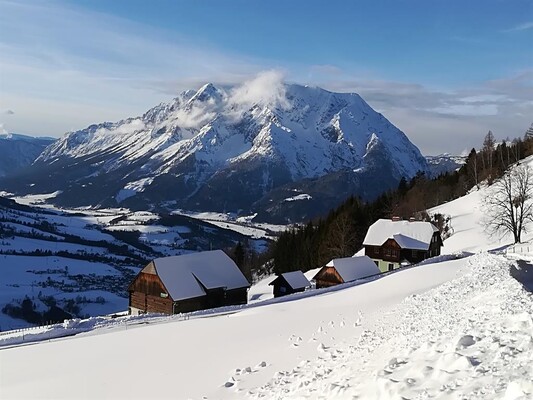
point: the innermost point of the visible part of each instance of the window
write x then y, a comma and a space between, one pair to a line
413, 253
376, 250
391, 267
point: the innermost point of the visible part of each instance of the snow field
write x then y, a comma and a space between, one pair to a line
470, 338
233, 341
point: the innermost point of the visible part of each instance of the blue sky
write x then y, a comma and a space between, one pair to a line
445, 72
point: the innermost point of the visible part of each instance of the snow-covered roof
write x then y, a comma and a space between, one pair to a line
352, 268
295, 279
183, 274
406, 242
406, 233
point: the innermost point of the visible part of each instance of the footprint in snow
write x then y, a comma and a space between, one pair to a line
465, 341
262, 364
358, 320
230, 383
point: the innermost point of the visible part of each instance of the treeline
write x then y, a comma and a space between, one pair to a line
342, 232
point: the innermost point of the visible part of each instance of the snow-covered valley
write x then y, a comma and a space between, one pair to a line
82, 260
455, 327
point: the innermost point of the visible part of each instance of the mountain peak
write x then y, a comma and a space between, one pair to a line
207, 92
220, 148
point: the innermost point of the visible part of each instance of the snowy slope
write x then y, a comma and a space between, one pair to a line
217, 149
452, 328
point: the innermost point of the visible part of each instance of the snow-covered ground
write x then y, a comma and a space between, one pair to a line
449, 329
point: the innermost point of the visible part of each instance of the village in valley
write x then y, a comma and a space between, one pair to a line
211, 279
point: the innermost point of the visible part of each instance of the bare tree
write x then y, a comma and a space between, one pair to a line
509, 207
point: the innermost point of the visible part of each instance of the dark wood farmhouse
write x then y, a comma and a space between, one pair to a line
343, 270
189, 282
290, 282
395, 243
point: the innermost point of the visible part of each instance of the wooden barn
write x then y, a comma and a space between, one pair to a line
395, 243
343, 270
290, 282
189, 282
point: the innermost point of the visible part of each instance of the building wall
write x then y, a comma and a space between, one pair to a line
283, 289
326, 277
148, 294
188, 305
236, 296
385, 266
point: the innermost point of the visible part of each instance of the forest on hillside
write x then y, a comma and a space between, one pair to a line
342, 231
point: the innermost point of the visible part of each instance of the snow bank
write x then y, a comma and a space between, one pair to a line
470, 338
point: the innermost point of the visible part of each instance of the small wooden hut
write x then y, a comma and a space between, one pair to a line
290, 282
343, 270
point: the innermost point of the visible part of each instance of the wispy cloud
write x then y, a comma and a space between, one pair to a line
521, 27
444, 118
72, 58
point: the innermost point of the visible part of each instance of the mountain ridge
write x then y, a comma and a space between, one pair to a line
215, 140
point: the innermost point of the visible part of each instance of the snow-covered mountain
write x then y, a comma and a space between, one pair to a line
225, 149
19, 151
444, 163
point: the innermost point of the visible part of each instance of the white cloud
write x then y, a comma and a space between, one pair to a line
196, 117
483, 98
467, 110
267, 89
441, 120
62, 57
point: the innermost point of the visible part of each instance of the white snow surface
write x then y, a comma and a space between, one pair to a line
352, 268
384, 229
457, 326
302, 196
